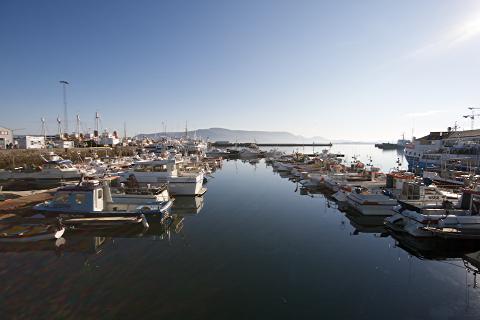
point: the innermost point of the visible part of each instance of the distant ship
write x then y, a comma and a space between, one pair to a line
400, 145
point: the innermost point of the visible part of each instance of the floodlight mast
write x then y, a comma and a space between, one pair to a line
472, 116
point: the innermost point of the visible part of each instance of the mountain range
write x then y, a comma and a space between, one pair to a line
222, 134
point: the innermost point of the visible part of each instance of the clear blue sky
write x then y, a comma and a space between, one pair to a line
340, 69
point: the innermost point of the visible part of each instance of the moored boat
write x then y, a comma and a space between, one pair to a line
371, 204
30, 232
159, 172
94, 199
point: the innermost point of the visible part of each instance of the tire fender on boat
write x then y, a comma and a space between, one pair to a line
144, 221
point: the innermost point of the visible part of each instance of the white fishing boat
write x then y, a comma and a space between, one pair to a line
334, 182
412, 222
417, 194
92, 198
159, 172
274, 153
374, 204
423, 222
248, 153
456, 228
217, 153
51, 170
140, 195
340, 195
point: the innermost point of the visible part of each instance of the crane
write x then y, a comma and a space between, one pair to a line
472, 115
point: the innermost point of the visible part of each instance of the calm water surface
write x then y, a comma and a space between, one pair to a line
254, 247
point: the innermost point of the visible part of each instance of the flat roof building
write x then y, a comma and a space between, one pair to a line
31, 142
6, 138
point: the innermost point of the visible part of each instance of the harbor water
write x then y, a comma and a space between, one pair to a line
255, 246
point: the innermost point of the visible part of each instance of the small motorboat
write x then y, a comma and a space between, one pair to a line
30, 232
90, 198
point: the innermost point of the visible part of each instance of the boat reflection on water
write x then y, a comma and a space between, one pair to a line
92, 239
47, 245
465, 255
474, 259
160, 230
436, 249
366, 223
187, 205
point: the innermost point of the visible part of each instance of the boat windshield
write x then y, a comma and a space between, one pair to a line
61, 198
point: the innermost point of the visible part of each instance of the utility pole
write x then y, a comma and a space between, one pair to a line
65, 111
125, 131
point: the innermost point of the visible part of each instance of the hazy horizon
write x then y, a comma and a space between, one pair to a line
367, 71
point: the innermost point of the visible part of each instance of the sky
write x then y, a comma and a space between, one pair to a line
357, 70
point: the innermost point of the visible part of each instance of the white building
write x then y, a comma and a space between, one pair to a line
64, 144
6, 137
31, 142
109, 139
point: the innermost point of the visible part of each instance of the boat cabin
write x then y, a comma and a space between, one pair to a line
470, 201
416, 191
62, 164
157, 166
87, 197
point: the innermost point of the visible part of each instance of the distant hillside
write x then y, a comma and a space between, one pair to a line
221, 134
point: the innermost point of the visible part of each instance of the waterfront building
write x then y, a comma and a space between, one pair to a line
30, 142
109, 139
6, 138
64, 144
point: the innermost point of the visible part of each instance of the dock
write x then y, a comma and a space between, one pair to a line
25, 201
248, 144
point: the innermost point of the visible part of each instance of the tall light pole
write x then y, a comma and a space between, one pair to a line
472, 116
65, 111
59, 128
78, 126
44, 129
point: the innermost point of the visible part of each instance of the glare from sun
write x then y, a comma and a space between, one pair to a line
466, 31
